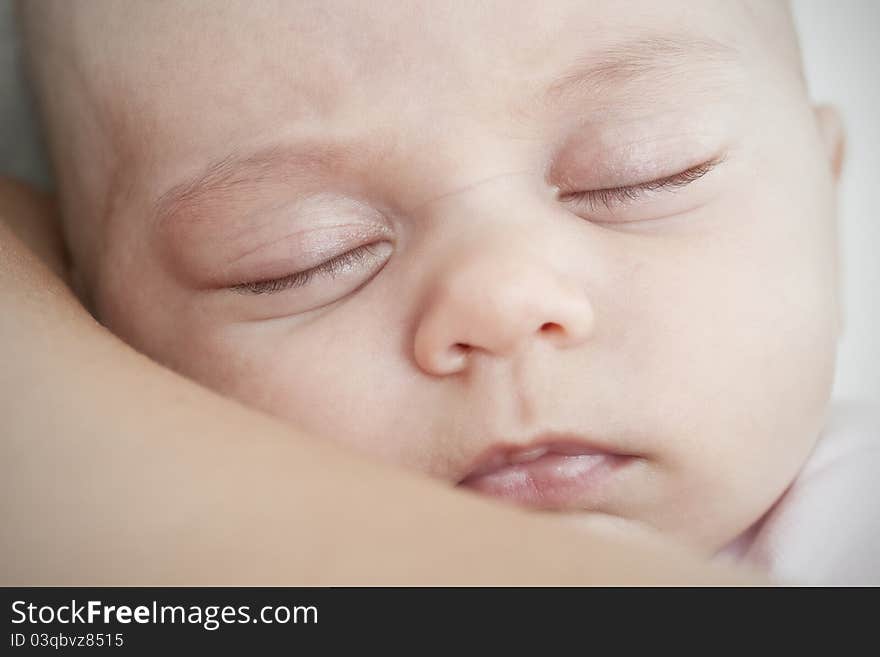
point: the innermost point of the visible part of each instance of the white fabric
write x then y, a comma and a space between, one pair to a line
825, 529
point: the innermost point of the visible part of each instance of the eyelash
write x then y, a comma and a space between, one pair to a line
608, 198
329, 268
615, 196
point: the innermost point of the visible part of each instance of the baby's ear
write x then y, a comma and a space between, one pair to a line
833, 136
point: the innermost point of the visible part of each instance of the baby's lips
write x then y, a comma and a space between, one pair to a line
552, 481
550, 473
502, 454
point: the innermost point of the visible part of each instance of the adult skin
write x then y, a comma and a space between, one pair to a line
118, 471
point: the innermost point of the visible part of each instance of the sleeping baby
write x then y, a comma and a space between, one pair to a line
576, 256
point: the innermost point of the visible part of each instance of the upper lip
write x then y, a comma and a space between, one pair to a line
504, 454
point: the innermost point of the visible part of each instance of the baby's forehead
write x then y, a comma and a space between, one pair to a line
181, 85
334, 65
327, 49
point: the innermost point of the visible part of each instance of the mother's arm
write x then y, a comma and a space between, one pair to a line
118, 471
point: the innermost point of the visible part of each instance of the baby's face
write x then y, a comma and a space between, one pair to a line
442, 233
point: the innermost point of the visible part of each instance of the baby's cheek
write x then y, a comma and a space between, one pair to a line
327, 385
737, 357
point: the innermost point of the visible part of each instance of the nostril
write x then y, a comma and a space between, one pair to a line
552, 328
461, 348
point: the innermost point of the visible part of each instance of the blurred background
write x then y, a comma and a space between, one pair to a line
841, 44
841, 47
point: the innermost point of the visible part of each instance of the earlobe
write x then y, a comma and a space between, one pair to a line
833, 137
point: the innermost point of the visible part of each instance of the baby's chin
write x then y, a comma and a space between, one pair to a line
626, 529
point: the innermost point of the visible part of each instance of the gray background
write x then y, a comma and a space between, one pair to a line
841, 43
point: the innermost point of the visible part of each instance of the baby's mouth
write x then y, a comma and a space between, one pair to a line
552, 473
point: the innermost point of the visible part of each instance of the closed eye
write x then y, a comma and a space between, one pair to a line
610, 198
341, 264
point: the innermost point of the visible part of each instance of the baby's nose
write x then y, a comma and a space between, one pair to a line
494, 304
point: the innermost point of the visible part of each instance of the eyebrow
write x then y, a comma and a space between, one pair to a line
591, 74
634, 61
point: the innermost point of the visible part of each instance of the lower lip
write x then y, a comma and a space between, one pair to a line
553, 481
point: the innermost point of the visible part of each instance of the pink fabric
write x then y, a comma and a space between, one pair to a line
825, 529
